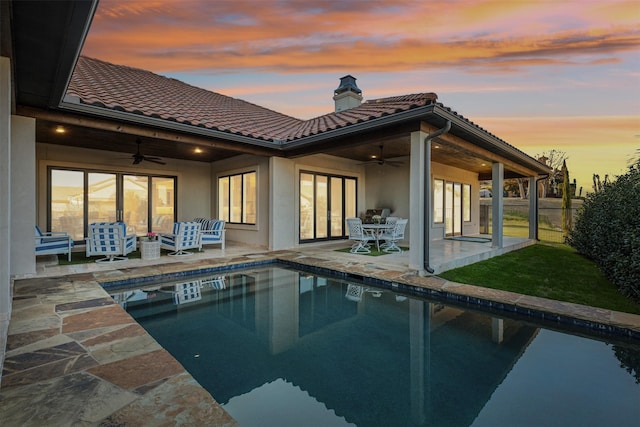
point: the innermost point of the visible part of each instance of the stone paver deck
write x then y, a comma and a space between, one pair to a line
76, 358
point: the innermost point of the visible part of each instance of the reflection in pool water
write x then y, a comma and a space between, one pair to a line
281, 347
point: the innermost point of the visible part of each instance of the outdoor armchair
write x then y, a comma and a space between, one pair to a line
212, 231
110, 240
186, 235
53, 242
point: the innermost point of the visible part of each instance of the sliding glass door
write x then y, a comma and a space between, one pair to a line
325, 202
457, 203
80, 197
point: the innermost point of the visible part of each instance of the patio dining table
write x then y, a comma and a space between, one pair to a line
375, 230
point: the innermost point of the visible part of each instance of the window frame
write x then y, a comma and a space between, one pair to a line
437, 202
243, 191
120, 174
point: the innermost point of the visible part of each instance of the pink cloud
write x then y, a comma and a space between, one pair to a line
485, 36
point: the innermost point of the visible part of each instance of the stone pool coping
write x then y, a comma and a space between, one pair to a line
75, 357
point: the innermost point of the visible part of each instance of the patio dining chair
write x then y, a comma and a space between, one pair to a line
391, 220
110, 240
53, 243
393, 236
360, 237
186, 235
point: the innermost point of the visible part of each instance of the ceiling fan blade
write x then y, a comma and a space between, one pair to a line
154, 160
394, 163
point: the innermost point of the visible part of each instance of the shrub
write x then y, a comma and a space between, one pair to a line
607, 230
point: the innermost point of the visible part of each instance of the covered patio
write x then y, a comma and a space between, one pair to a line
446, 254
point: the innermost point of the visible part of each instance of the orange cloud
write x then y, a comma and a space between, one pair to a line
329, 36
593, 144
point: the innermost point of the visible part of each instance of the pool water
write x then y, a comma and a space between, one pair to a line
280, 347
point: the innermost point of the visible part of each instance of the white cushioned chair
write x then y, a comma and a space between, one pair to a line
109, 239
186, 235
212, 231
53, 243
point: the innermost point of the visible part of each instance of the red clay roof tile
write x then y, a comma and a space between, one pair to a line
138, 91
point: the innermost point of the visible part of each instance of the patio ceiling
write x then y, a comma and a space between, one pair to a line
119, 137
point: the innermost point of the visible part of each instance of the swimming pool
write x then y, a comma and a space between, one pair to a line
277, 346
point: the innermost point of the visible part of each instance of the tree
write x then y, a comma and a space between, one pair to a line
566, 202
554, 159
607, 230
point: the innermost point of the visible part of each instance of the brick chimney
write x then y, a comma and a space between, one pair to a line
348, 94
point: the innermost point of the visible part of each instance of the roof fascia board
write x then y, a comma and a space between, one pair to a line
79, 22
416, 113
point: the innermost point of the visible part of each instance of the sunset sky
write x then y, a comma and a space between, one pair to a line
540, 74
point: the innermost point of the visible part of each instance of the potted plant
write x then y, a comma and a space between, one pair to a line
151, 236
376, 219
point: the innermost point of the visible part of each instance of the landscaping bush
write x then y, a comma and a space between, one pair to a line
607, 230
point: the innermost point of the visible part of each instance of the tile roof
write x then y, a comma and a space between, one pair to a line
133, 90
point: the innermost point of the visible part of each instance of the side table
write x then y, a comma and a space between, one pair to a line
150, 249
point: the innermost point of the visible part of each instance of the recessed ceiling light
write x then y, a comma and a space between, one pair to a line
436, 146
197, 150
60, 129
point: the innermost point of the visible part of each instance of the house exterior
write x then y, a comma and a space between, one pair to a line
70, 126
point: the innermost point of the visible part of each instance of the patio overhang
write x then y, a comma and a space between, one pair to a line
44, 39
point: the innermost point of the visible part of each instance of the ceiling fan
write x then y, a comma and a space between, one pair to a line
379, 159
139, 157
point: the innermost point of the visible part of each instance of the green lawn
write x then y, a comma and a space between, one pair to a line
552, 271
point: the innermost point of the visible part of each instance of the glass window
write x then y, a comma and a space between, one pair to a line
237, 196
325, 202
66, 207
466, 202
162, 206
307, 202
82, 196
438, 201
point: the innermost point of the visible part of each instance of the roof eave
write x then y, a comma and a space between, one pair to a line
490, 140
412, 114
124, 116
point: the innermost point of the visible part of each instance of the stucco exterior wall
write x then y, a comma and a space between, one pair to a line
387, 187
5, 204
282, 206
23, 199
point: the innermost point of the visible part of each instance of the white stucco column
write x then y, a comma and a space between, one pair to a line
23, 195
533, 208
5, 203
282, 204
497, 204
419, 176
